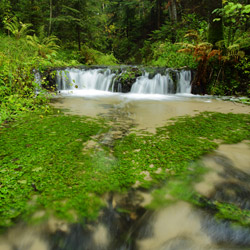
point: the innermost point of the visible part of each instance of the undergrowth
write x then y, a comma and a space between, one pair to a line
20, 93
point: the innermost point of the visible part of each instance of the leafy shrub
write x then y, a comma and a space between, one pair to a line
18, 29
43, 46
94, 57
176, 31
17, 81
166, 55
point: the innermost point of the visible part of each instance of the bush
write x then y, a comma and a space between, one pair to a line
17, 80
94, 57
166, 55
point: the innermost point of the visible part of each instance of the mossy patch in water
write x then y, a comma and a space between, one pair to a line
174, 149
44, 166
175, 146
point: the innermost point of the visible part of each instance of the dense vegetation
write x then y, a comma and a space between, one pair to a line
209, 36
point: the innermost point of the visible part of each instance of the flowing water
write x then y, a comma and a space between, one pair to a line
179, 226
81, 81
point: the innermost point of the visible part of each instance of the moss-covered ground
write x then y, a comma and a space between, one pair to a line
45, 163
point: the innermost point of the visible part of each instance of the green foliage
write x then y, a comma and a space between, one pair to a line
94, 57
18, 86
175, 32
231, 80
166, 55
5, 11
17, 83
235, 16
66, 57
38, 170
15, 105
132, 32
174, 149
43, 45
233, 212
18, 29
231, 72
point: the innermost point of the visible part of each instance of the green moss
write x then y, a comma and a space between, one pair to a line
175, 150
43, 158
44, 166
233, 212
128, 76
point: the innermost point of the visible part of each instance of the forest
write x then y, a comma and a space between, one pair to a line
211, 37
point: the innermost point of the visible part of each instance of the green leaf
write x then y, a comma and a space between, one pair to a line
216, 19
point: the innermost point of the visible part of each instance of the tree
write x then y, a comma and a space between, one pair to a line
236, 19
50, 16
172, 10
215, 29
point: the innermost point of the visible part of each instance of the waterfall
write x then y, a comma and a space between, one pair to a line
70, 79
158, 85
183, 81
106, 80
37, 80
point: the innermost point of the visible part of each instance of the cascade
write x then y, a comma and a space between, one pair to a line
158, 85
70, 79
106, 80
38, 80
184, 79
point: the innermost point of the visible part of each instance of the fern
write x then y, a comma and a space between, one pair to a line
201, 51
18, 29
43, 45
234, 51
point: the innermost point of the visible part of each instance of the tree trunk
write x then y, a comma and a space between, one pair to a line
32, 17
158, 7
79, 38
173, 11
173, 17
50, 17
215, 29
78, 27
143, 9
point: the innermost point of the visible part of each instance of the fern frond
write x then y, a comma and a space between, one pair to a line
184, 51
214, 53
234, 46
44, 46
192, 34
18, 29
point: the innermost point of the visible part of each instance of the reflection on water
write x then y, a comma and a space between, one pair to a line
147, 111
125, 223
175, 226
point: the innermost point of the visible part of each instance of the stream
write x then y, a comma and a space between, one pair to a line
177, 226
